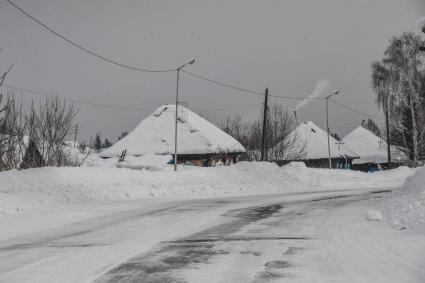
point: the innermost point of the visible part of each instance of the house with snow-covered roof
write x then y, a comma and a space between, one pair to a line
371, 149
198, 141
313, 141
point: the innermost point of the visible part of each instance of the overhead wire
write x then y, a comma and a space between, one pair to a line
247, 90
355, 110
73, 43
222, 83
77, 100
231, 108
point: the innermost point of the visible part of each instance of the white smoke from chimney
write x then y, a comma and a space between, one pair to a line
421, 24
321, 87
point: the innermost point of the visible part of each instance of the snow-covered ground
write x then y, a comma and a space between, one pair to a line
46, 187
249, 222
305, 237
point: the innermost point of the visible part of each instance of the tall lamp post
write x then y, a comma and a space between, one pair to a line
327, 125
177, 105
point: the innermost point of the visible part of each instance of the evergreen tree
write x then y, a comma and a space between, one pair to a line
97, 142
106, 144
123, 134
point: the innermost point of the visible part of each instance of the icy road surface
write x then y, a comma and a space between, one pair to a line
304, 237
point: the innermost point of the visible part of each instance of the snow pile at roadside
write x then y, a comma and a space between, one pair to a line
298, 172
405, 208
40, 187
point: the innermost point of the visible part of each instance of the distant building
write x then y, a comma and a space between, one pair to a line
199, 142
314, 142
372, 149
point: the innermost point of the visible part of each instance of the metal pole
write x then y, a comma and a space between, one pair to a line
388, 134
75, 135
327, 127
263, 137
175, 129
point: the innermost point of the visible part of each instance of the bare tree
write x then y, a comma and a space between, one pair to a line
12, 144
281, 141
48, 124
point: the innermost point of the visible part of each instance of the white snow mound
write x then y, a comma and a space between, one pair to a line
405, 207
43, 187
374, 215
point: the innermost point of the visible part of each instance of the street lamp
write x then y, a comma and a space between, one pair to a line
191, 62
327, 124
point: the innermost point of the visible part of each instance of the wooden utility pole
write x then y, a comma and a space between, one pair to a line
263, 137
388, 133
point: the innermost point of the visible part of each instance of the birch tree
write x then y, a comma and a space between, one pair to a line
397, 81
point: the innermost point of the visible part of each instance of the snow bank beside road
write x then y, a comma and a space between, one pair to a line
35, 188
405, 208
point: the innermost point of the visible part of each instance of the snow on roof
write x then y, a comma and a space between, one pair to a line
370, 147
155, 135
316, 143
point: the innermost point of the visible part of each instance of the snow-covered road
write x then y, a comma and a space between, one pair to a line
299, 237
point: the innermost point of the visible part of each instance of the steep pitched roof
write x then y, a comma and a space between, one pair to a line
315, 141
370, 147
155, 135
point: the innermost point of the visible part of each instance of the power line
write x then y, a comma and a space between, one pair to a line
78, 100
354, 110
103, 58
297, 98
223, 84
244, 89
115, 106
231, 108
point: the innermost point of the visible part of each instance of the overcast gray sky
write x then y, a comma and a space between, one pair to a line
285, 45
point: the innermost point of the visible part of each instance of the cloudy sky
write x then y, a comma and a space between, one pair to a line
287, 46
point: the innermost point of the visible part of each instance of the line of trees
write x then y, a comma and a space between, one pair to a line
398, 81
281, 142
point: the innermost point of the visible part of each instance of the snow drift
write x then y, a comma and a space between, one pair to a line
405, 208
41, 187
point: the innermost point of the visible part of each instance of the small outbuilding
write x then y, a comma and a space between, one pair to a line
199, 142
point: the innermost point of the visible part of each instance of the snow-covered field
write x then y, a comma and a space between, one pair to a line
47, 187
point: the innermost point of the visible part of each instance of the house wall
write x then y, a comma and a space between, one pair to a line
206, 160
318, 163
